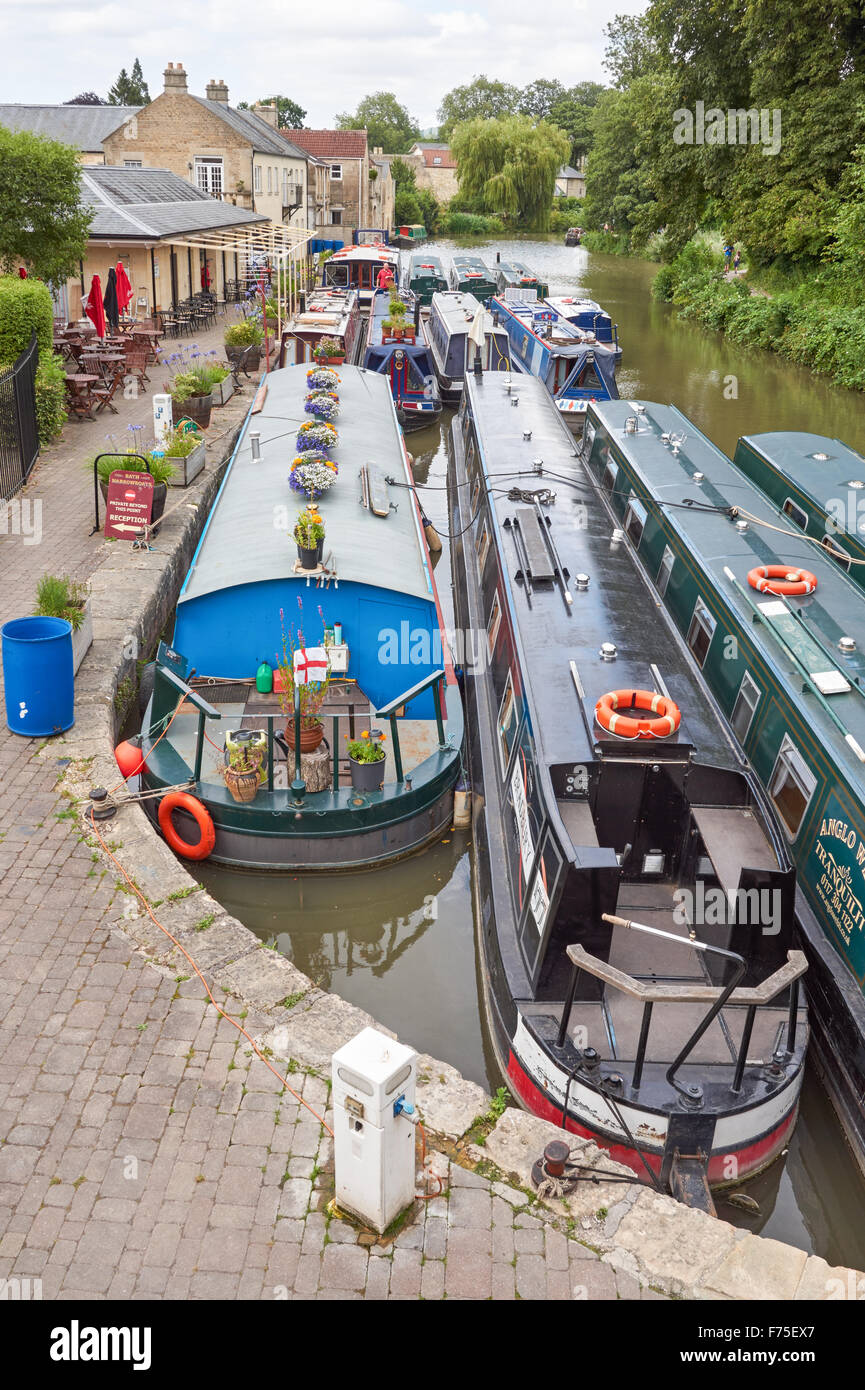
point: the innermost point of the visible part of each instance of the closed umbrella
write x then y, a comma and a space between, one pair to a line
124, 289
93, 308
109, 302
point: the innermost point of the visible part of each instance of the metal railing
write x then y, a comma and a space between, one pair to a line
19, 434
389, 712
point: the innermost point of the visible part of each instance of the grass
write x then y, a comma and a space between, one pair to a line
291, 999
181, 893
204, 922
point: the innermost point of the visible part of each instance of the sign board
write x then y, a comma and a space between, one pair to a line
836, 869
130, 504
162, 425
539, 900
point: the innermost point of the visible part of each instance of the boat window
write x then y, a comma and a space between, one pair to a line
665, 569
588, 438
792, 785
476, 494
635, 520
483, 547
494, 623
836, 551
743, 710
507, 724
470, 457
701, 631
611, 473
796, 514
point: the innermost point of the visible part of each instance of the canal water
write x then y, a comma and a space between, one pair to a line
399, 942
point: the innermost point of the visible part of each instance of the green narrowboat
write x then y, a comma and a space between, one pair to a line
515, 275
778, 631
817, 484
424, 275
471, 275
410, 235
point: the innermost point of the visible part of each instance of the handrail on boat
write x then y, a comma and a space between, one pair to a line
389, 712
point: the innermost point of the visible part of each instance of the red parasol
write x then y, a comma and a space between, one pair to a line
124, 289
94, 310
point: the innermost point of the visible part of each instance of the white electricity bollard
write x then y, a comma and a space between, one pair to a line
374, 1127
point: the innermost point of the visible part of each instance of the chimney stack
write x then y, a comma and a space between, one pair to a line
217, 91
267, 113
174, 80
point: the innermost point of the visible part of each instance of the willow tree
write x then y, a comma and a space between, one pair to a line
509, 166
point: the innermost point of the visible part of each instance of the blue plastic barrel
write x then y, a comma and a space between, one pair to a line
37, 676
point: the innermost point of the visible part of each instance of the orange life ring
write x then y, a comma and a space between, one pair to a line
175, 801
782, 580
669, 716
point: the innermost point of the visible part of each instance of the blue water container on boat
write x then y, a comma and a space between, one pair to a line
37, 676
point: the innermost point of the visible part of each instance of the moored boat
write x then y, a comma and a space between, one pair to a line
401, 355
778, 629
424, 275
593, 322
322, 314
516, 275
573, 236
358, 267
605, 820
454, 352
362, 621
409, 235
471, 275
546, 346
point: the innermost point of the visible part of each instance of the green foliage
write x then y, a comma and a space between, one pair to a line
42, 223
406, 207
161, 469
247, 333
430, 209
403, 175
480, 99
58, 596
178, 443
308, 531
470, 224
510, 166
129, 89
25, 306
367, 750
50, 397
388, 125
195, 381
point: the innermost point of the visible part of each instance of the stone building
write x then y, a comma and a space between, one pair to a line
435, 168
381, 191
84, 127
346, 156
235, 156
571, 182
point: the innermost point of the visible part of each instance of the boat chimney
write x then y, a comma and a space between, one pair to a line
608, 651
255, 443
581, 582
847, 646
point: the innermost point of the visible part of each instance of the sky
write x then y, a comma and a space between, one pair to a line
327, 57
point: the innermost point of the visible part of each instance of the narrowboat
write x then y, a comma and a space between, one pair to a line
454, 351
410, 235
515, 275
402, 356
253, 622
370, 236
818, 486
546, 346
633, 888
358, 267
322, 313
573, 236
424, 275
593, 321
471, 275
778, 629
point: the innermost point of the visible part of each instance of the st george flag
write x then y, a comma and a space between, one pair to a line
93, 308
124, 289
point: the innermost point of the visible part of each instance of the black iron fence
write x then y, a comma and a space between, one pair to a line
19, 435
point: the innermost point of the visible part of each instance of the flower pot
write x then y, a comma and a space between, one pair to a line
367, 777
197, 408
82, 639
309, 738
242, 785
331, 361
160, 492
308, 557
223, 391
235, 353
189, 466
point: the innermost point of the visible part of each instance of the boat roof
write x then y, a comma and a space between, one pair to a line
565, 340
376, 251
379, 310
241, 545
457, 308
823, 468
424, 261
614, 608
569, 304
517, 270
709, 535
327, 310
468, 261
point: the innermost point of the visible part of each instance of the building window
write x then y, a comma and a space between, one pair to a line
208, 176
336, 217
796, 514
270, 178
507, 724
792, 785
665, 569
635, 520
745, 707
701, 631
336, 171
257, 177
494, 624
437, 159
132, 164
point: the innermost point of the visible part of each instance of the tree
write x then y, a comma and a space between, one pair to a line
86, 99
479, 99
42, 221
573, 113
510, 166
289, 115
130, 90
540, 97
388, 125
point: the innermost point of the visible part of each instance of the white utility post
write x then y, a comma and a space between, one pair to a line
374, 1127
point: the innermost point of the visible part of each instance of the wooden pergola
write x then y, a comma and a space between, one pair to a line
285, 248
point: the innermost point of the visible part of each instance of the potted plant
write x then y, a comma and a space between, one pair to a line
58, 596
186, 449
191, 395
161, 469
221, 383
242, 772
330, 352
311, 695
240, 336
316, 435
309, 534
312, 473
366, 756
322, 378
324, 405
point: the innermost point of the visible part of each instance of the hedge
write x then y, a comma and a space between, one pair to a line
50, 397
24, 305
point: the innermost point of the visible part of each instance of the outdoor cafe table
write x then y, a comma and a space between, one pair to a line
78, 386
152, 335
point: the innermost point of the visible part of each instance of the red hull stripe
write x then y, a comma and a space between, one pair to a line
750, 1158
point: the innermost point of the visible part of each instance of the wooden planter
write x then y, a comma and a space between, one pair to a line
330, 361
223, 391
367, 777
309, 738
196, 408
188, 467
